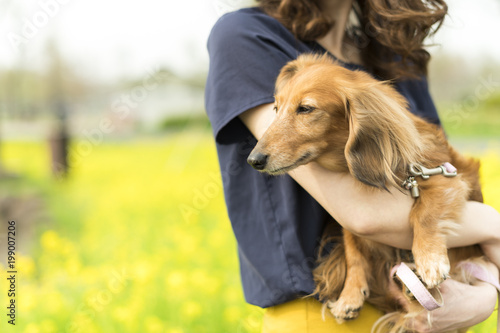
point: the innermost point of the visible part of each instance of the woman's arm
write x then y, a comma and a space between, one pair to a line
376, 214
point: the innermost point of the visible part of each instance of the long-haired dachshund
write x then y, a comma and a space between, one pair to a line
351, 123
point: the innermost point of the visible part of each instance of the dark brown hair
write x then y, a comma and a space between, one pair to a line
390, 33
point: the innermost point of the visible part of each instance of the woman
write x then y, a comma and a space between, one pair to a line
277, 222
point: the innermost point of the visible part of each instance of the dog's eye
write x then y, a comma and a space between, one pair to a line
275, 109
305, 109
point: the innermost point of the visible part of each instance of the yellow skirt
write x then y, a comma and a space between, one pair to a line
304, 316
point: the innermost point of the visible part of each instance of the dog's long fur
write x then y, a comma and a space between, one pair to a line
349, 122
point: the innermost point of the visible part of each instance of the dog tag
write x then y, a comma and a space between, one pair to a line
415, 193
411, 184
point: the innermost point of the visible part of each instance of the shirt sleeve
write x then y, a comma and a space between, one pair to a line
246, 54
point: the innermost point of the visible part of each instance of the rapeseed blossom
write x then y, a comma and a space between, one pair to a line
138, 240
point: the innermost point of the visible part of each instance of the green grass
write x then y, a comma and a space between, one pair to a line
472, 117
136, 240
178, 123
127, 246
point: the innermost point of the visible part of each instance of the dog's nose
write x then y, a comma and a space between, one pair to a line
258, 160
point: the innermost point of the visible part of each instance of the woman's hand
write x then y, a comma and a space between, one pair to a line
465, 306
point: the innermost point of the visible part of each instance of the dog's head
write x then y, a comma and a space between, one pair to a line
345, 120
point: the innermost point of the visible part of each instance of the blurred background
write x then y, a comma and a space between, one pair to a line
108, 166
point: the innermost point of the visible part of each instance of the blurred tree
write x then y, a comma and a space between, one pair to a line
59, 136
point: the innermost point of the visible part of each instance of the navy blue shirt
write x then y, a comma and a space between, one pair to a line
277, 224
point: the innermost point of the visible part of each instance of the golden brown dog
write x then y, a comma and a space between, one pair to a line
349, 122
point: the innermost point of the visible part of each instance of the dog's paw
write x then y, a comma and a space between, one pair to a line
348, 306
432, 269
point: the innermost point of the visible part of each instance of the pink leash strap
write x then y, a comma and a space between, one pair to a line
413, 283
479, 273
423, 296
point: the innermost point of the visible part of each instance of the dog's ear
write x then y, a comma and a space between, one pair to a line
383, 139
286, 73
294, 66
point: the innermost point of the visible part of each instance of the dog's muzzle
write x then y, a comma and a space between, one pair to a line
258, 160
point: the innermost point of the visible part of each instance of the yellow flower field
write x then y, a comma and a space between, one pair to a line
136, 240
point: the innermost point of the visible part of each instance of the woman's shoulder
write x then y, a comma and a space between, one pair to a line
245, 16
246, 21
